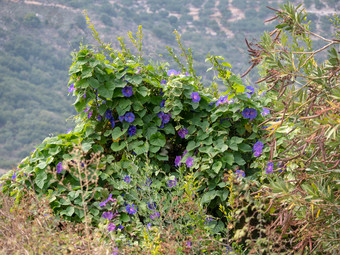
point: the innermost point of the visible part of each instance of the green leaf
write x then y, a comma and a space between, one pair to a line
86, 72
68, 211
106, 90
116, 146
191, 145
136, 79
217, 166
239, 160
117, 132
228, 158
143, 91
86, 146
94, 83
245, 147
208, 196
158, 139
124, 217
150, 131
142, 148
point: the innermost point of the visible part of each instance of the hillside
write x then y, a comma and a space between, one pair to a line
36, 38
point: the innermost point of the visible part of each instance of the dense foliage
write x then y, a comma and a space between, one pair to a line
35, 41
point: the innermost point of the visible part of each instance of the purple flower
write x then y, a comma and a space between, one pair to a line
172, 72
187, 74
107, 215
138, 70
107, 200
172, 183
155, 215
222, 100
111, 227
127, 91
269, 168
178, 161
132, 130
265, 111
208, 219
195, 97
112, 121
257, 148
69, 131
131, 209
189, 244
108, 114
129, 117
127, 179
90, 114
120, 226
182, 132
165, 117
249, 113
252, 90
71, 88
163, 82
240, 173
148, 182
152, 205
163, 103
59, 168
121, 118
84, 96
189, 162
14, 176
115, 251
148, 226
185, 152
99, 118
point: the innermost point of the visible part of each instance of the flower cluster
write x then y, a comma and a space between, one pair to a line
131, 209
182, 132
108, 115
240, 173
165, 117
270, 167
257, 148
172, 183
132, 130
249, 113
173, 72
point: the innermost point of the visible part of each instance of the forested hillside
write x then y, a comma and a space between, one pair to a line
37, 36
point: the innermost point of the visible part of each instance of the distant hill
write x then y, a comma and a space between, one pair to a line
37, 37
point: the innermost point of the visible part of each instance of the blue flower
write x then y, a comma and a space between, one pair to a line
222, 100
165, 117
132, 130
120, 226
129, 117
189, 162
172, 183
195, 97
115, 251
265, 111
107, 200
112, 121
163, 82
172, 72
249, 113
59, 168
127, 179
163, 103
131, 209
270, 167
240, 173
107, 215
90, 114
257, 148
14, 176
111, 227
71, 88
121, 118
178, 161
99, 118
152, 205
182, 132
155, 215
108, 114
252, 90
127, 91
148, 182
